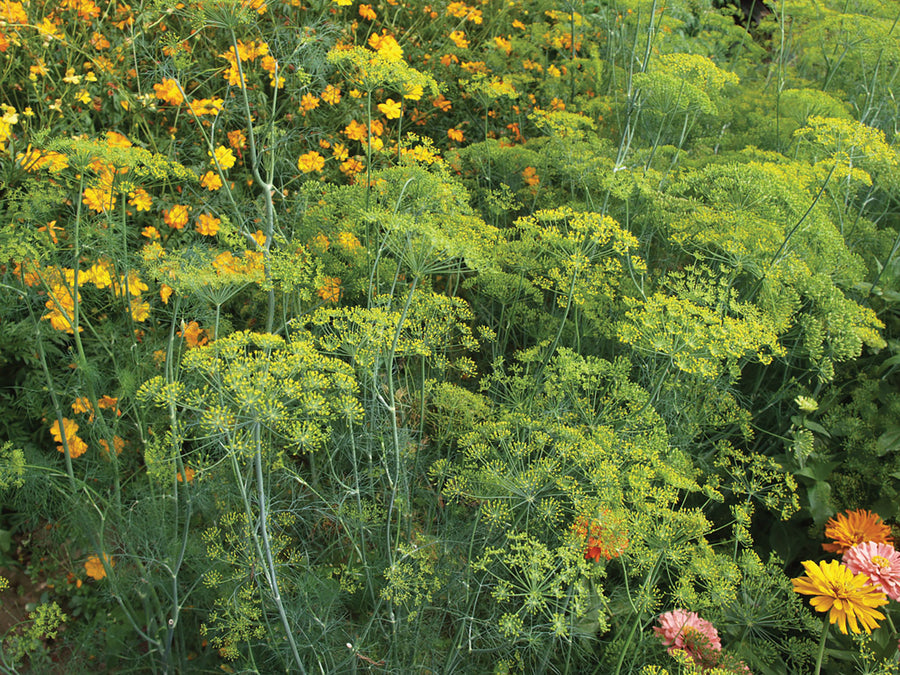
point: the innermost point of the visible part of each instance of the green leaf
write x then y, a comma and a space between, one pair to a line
815, 426
820, 502
889, 441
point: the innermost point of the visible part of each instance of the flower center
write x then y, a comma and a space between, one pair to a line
881, 561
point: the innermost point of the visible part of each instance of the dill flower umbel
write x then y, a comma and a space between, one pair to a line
880, 562
680, 629
847, 597
854, 528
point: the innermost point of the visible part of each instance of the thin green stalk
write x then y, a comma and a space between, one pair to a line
819, 658
395, 430
271, 574
266, 186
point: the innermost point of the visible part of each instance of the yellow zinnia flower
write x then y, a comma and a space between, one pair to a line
847, 597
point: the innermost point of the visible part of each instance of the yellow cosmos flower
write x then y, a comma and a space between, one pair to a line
140, 199
224, 157
77, 447
386, 46
390, 109
99, 199
211, 181
331, 95
311, 161
847, 597
459, 39
413, 92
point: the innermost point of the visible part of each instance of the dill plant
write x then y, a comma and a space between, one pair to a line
403, 401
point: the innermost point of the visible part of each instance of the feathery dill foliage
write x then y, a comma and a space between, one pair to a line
461, 337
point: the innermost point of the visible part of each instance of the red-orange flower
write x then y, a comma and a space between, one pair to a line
854, 528
604, 536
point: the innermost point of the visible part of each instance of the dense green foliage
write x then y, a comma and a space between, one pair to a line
403, 337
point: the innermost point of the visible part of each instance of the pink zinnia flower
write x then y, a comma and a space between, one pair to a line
686, 630
880, 562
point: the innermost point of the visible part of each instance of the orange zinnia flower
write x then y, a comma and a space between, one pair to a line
854, 528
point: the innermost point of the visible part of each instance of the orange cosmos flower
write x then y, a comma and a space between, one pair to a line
356, 131
77, 447
168, 92
237, 139
207, 224
331, 95
176, 217
308, 102
118, 445
847, 597
442, 103
188, 476
366, 12
529, 175
94, 566
330, 290
604, 536
455, 135
193, 335
855, 528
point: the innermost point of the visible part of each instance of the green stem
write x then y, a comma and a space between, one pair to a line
822, 649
